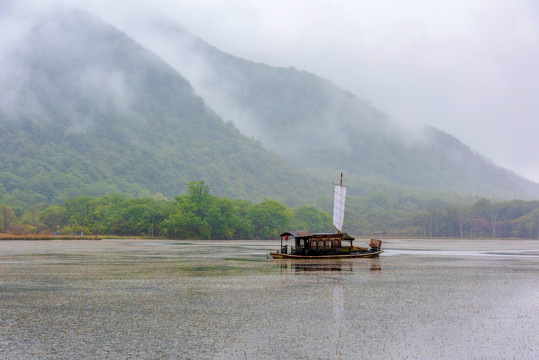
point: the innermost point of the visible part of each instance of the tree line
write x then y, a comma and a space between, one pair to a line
484, 218
196, 215
200, 215
435, 217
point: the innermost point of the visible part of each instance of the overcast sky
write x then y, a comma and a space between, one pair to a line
468, 67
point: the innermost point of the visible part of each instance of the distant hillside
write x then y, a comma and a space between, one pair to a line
478, 172
87, 110
314, 124
93, 113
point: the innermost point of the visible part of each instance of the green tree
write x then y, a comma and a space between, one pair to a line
7, 218
223, 217
199, 198
310, 218
191, 220
187, 225
269, 218
528, 225
82, 213
54, 216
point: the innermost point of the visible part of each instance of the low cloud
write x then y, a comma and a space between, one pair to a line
467, 67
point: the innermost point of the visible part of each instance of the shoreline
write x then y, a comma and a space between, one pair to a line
10, 237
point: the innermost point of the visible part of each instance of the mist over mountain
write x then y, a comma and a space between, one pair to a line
88, 110
314, 124
94, 112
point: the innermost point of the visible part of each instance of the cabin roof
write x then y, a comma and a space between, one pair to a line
298, 233
306, 234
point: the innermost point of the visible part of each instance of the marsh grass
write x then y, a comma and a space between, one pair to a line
48, 237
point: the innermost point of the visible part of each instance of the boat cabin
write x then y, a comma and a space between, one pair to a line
305, 243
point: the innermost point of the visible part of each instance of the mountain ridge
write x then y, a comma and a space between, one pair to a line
96, 112
70, 131
297, 105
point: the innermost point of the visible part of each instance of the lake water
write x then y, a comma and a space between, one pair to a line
422, 299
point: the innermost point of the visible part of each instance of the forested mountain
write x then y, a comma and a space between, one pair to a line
91, 112
315, 124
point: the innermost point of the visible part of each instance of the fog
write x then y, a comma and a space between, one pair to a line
27, 51
467, 67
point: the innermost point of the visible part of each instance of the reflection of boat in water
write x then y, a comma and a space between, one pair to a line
300, 267
326, 245
329, 265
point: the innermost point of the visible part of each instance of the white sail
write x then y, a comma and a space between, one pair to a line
338, 207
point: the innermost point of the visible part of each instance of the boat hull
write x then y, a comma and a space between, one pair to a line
366, 254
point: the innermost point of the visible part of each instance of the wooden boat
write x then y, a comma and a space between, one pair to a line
308, 245
324, 246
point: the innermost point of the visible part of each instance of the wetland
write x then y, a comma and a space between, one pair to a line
420, 299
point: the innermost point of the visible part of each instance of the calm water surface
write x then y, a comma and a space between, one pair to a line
421, 299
